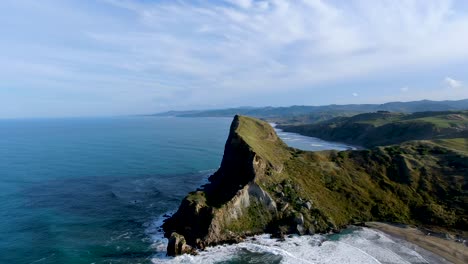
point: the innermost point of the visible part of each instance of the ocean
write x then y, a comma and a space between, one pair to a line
95, 190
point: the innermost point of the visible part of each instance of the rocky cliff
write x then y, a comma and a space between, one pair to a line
265, 186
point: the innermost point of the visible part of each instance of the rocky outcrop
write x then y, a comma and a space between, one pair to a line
178, 246
264, 186
233, 205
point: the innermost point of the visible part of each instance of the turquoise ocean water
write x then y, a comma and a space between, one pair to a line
85, 190
95, 190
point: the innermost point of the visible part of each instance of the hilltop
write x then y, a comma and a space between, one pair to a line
265, 186
381, 128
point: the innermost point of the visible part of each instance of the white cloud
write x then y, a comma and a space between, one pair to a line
452, 83
355, 94
404, 89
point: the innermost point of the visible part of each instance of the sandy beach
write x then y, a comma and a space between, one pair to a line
450, 250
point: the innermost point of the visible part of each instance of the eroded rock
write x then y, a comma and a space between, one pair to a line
178, 246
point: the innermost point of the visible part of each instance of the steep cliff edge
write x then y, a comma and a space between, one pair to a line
233, 204
265, 186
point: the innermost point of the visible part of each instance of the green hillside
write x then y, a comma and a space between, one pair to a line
386, 128
265, 186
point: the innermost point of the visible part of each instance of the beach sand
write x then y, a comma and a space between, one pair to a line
450, 250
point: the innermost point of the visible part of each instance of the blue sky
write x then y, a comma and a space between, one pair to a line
118, 57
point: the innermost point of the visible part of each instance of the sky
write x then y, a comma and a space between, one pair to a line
122, 57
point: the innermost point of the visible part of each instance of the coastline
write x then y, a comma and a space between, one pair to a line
318, 144
449, 250
358, 244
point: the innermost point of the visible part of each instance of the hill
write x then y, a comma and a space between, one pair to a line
318, 113
385, 128
265, 186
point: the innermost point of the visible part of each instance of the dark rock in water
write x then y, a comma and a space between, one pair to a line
311, 230
300, 229
281, 237
200, 244
178, 246
175, 244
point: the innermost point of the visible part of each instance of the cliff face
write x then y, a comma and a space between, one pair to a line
233, 204
265, 186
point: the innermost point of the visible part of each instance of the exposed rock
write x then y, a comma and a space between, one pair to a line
178, 246
300, 229
299, 219
311, 230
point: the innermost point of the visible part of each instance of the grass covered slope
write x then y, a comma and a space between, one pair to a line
386, 128
265, 186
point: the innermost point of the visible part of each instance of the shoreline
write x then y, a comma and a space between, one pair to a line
343, 146
299, 247
449, 250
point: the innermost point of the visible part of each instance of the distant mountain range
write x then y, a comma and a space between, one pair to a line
317, 112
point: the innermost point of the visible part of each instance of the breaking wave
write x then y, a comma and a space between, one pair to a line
354, 245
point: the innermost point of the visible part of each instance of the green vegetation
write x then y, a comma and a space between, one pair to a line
265, 186
197, 198
262, 139
460, 144
386, 128
255, 219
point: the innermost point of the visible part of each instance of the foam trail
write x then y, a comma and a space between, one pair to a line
310, 143
276, 251
156, 234
362, 251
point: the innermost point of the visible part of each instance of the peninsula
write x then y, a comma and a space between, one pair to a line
263, 186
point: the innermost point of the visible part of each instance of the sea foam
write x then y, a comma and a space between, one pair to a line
360, 245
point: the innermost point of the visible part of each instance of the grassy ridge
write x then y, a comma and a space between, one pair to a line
460, 144
385, 128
